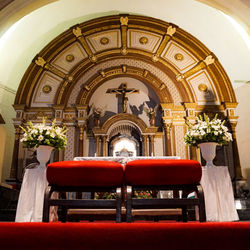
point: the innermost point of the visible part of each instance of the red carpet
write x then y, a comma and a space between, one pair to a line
94, 236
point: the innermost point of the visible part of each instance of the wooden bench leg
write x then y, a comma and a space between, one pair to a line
128, 203
184, 214
202, 209
46, 205
118, 204
62, 195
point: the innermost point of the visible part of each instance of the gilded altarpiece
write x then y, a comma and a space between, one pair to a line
124, 76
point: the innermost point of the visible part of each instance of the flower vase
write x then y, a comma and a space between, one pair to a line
208, 152
43, 154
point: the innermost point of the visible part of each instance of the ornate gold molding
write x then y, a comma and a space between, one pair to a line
124, 117
42, 63
179, 36
167, 37
199, 66
85, 94
78, 33
124, 31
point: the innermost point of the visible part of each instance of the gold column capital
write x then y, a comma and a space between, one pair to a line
190, 105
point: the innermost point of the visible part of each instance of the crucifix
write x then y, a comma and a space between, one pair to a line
123, 91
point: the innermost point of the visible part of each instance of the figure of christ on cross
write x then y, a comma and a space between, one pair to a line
123, 91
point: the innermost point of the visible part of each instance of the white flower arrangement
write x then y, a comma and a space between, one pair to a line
41, 134
206, 130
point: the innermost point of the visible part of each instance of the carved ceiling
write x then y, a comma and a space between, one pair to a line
178, 67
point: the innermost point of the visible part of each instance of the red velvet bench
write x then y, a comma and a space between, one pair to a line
83, 176
158, 174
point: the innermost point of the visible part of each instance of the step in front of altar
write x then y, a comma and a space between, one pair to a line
106, 214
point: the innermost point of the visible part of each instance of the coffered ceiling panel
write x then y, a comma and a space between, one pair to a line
143, 40
46, 90
203, 88
179, 56
104, 40
69, 57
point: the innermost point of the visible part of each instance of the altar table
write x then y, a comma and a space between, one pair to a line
123, 160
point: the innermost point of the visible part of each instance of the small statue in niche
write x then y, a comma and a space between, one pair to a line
151, 113
98, 113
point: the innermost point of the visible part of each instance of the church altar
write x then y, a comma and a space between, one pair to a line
216, 183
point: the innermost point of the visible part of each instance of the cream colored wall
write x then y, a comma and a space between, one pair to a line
7, 132
243, 135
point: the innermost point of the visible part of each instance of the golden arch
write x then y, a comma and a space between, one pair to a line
124, 117
137, 73
80, 34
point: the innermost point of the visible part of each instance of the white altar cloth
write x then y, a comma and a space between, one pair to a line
218, 192
30, 202
122, 160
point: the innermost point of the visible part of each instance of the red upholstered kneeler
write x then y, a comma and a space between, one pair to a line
83, 176
159, 174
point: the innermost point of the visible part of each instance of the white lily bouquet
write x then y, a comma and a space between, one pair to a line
41, 134
206, 130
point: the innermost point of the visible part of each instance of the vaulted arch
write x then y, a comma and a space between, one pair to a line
192, 68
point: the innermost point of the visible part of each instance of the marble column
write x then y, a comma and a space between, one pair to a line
97, 145
167, 128
152, 145
81, 141
145, 141
104, 141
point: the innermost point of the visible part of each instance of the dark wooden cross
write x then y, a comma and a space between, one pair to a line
123, 91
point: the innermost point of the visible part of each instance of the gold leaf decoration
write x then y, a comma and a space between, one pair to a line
46, 89
104, 40
202, 87
143, 40
178, 57
70, 58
